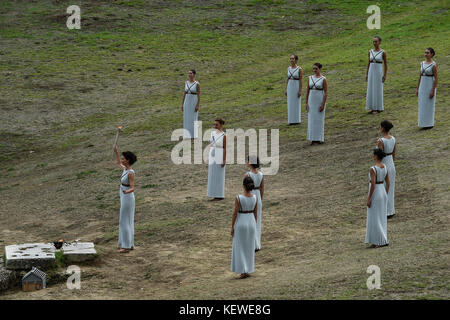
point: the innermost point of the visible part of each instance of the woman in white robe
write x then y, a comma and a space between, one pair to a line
389, 147
216, 162
243, 231
375, 77
426, 90
376, 225
127, 200
316, 98
258, 191
294, 91
190, 106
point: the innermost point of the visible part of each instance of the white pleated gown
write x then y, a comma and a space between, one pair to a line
374, 96
257, 179
243, 254
126, 221
293, 100
316, 119
216, 174
388, 161
426, 105
376, 226
190, 116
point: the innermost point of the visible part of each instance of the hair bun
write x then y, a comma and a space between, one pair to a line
249, 185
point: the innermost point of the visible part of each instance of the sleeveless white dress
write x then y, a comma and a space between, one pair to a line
293, 100
426, 105
243, 254
388, 161
376, 226
374, 97
257, 179
127, 205
316, 119
216, 174
190, 115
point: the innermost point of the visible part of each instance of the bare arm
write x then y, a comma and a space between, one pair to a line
385, 65
236, 209
380, 144
261, 188
394, 152
182, 102
435, 73
307, 96
368, 65
325, 94
224, 151
300, 75
119, 163
388, 182
285, 89
198, 97
372, 187
131, 180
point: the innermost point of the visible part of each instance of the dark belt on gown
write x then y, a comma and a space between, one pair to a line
191, 92
428, 75
378, 182
376, 62
316, 89
389, 154
249, 211
257, 188
126, 185
293, 78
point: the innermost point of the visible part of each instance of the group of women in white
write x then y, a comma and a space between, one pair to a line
247, 217
377, 68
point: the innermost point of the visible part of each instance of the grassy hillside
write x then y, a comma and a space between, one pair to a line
63, 92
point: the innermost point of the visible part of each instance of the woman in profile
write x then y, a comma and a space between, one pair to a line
190, 105
258, 191
375, 77
426, 90
127, 201
389, 147
216, 162
376, 226
243, 231
316, 98
294, 91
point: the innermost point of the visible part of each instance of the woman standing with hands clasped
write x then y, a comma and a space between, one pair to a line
190, 105
294, 91
258, 191
375, 77
127, 201
316, 98
216, 162
243, 231
426, 90
376, 226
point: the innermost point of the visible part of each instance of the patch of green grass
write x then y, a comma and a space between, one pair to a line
61, 259
84, 174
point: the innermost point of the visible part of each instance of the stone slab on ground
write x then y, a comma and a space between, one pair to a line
28, 255
7, 277
79, 251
